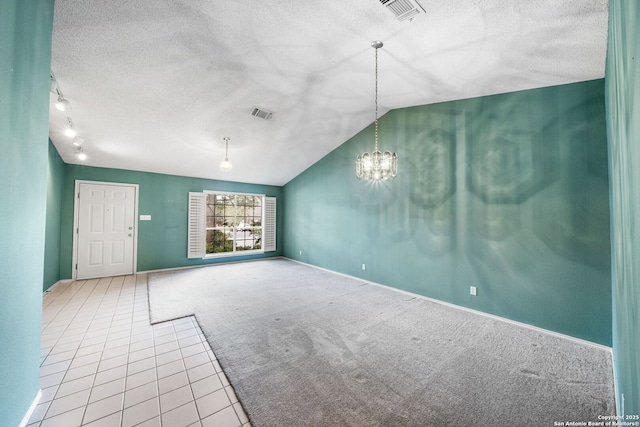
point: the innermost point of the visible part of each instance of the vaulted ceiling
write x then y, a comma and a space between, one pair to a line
155, 85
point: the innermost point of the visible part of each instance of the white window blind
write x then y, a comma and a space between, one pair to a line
269, 229
197, 224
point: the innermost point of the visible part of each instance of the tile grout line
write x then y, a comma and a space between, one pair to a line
186, 371
125, 301
84, 412
122, 288
76, 350
60, 309
208, 348
106, 289
155, 362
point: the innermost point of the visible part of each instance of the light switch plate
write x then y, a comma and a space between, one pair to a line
145, 217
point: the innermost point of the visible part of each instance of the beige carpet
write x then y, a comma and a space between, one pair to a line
305, 347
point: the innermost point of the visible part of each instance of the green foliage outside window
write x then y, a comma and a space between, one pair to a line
217, 242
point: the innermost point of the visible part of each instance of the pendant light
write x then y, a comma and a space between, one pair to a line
226, 164
376, 166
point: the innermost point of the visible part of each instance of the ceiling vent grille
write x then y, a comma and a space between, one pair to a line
403, 9
261, 113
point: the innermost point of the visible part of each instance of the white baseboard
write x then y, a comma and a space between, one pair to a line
32, 408
471, 310
50, 288
616, 394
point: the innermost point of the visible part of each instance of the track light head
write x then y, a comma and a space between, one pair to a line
70, 130
63, 104
81, 155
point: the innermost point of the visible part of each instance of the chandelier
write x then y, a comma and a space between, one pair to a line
376, 166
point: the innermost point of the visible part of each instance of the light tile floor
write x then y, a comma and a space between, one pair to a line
104, 365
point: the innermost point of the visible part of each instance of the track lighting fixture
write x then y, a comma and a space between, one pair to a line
70, 131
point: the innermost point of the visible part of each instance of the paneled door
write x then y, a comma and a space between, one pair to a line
105, 229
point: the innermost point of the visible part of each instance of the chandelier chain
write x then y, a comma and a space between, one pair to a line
376, 121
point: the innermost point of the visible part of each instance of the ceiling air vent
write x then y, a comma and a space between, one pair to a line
403, 9
261, 113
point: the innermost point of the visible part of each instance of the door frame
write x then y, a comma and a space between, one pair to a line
76, 219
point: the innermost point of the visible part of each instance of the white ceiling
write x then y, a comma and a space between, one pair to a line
156, 85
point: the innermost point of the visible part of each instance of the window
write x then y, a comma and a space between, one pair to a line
234, 223
223, 224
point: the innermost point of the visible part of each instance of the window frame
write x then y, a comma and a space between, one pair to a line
197, 222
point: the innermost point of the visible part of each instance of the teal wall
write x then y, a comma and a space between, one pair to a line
623, 119
162, 242
25, 58
508, 193
55, 183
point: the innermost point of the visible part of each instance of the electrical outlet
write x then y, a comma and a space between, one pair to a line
473, 290
364, 267
300, 251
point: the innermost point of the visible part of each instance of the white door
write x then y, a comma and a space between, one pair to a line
105, 230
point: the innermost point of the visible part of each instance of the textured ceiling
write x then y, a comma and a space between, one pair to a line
156, 85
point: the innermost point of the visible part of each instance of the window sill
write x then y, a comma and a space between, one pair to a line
233, 254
